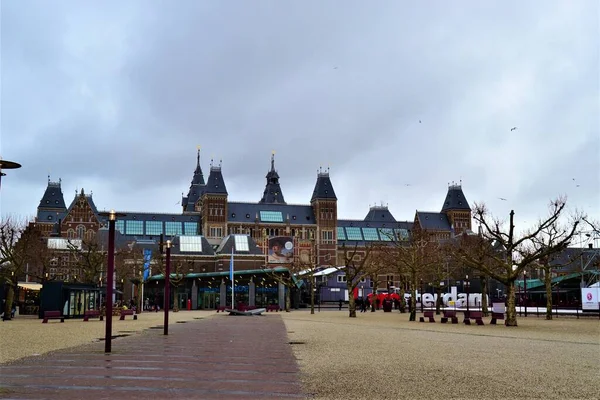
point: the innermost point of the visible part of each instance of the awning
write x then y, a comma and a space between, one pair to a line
30, 286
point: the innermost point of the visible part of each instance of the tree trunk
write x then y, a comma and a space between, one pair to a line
413, 302
511, 311
9, 301
288, 302
351, 302
548, 285
312, 296
484, 303
438, 302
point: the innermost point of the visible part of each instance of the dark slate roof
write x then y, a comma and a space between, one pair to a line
375, 224
379, 214
50, 216
120, 240
89, 199
215, 183
207, 249
196, 188
228, 243
570, 259
248, 212
455, 199
433, 221
146, 216
323, 187
272, 193
53, 198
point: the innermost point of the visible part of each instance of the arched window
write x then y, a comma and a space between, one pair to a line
71, 234
80, 231
89, 235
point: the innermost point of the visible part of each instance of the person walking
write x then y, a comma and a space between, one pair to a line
340, 304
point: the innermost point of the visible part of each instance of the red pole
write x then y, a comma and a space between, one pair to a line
110, 270
167, 287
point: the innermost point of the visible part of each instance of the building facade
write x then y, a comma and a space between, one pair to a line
266, 236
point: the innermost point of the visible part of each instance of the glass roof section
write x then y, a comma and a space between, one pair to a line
190, 244
370, 233
386, 234
401, 234
271, 216
341, 235
353, 233
241, 243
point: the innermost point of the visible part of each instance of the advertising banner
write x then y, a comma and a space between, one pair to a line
590, 299
281, 250
305, 252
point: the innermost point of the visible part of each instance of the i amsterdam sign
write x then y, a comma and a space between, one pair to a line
459, 299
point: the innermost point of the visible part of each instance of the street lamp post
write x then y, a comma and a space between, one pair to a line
525, 290
421, 296
112, 218
5, 164
167, 287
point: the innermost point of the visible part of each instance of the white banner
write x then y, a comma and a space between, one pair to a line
590, 299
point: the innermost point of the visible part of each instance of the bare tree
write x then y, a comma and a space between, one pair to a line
503, 254
16, 250
89, 259
359, 263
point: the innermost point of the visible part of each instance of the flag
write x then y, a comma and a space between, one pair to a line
147, 259
231, 267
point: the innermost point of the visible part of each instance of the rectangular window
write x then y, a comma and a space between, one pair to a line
190, 244
271, 216
340, 233
341, 278
190, 228
370, 233
120, 226
154, 227
327, 236
134, 227
173, 228
353, 233
241, 243
216, 232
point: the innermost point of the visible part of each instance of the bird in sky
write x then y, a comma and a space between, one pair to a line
335, 67
419, 121
577, 185
407, 184
502, 198
514, 128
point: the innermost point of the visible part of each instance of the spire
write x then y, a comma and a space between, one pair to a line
272, 193
196, 186
52, 201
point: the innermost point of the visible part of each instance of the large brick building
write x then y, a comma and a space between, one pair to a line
267, 233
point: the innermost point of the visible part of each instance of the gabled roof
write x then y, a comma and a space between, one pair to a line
89, 200
249, 212
191, 245
229, 242
433, 221
272, 193
215, 183
323, 188
380, 214
455, 199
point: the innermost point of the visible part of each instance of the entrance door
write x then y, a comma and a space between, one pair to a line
210, 301
182, 301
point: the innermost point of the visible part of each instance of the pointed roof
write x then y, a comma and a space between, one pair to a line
272, 193
455, 199
323, 187
433, 221
53, 197
215, 183
88, 199
196, 187
380, 214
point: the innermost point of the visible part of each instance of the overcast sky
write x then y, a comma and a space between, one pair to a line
115, 98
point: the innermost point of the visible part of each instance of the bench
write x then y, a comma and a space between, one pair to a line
427, 314
450, 314
273, 307
221, 308
496, 316
476, 315
127, 312
52, 315
92, 314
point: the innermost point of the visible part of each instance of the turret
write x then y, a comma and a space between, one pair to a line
272, 193
457, 208
197, 185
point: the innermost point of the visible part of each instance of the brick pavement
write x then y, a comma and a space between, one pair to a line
221, 357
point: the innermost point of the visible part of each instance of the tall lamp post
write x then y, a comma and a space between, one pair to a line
421, 296
5, 164
167, 287
525, 290
112, 219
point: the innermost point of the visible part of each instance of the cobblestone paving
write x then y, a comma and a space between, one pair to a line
223, 357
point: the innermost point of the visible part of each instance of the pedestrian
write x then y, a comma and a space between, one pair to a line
340, 304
